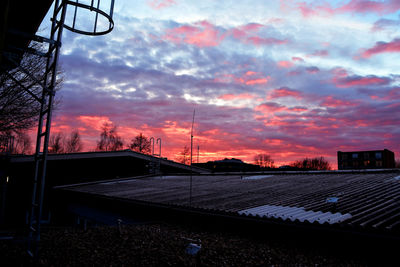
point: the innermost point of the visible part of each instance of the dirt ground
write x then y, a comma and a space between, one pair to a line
165, 245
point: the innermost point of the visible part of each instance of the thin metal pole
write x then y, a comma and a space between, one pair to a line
152, 151
198, 153
97, 14
76, 9
159, 152
159, 157
191, 156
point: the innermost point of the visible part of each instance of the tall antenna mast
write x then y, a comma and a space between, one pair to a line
191, 157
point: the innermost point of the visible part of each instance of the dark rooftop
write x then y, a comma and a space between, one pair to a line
366, 199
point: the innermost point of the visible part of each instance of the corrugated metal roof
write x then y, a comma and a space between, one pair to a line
369, 200
295, 213
256, 177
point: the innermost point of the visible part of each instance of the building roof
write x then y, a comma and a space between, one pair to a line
365, 200
110, 154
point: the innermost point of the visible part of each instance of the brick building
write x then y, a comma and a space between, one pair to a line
374, 159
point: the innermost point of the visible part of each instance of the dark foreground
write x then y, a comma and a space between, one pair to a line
164, 245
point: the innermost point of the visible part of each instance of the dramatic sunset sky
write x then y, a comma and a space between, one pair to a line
292, 79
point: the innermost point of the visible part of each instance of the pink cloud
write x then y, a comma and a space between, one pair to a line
248, 35
250, 73
239, 96
383, 47
268, 107
367, 6
297, 59
312, 70
285, 92
160, 4
257, 81
353, 6
276, 21
285, 64
298, 109
333, 102
202, 34
389, 95
294, 73
243, 31
258, 41
249, 78
320, 53
339, 72
310, 10
94, 122
350, 81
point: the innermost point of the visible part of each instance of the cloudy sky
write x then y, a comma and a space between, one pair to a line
291, 78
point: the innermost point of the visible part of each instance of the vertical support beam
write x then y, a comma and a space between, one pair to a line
45, 115
191, 157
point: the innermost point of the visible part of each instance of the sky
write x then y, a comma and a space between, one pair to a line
291, 79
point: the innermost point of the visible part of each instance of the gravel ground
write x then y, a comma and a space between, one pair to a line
164, 245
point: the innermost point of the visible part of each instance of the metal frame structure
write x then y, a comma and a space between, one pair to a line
156, 165
46, 100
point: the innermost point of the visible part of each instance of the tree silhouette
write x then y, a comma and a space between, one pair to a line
264, 161
19, 110
312, 164
22, 143
109, 139
56, 143
73, 143
184, 156
141, 144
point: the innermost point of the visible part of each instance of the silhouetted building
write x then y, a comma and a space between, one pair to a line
374, 159
228, 165
16, 175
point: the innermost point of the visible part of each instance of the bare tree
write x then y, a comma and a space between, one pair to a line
140, 144
109, 138
184, 156
6, 143
312, 164
19, 110
22, 143
264, 161
73, 143
56, 143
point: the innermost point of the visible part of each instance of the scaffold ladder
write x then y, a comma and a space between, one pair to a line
43, 133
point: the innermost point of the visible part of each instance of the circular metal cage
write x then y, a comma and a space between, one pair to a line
97, 11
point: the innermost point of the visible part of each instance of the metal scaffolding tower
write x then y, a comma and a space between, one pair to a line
102, 23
